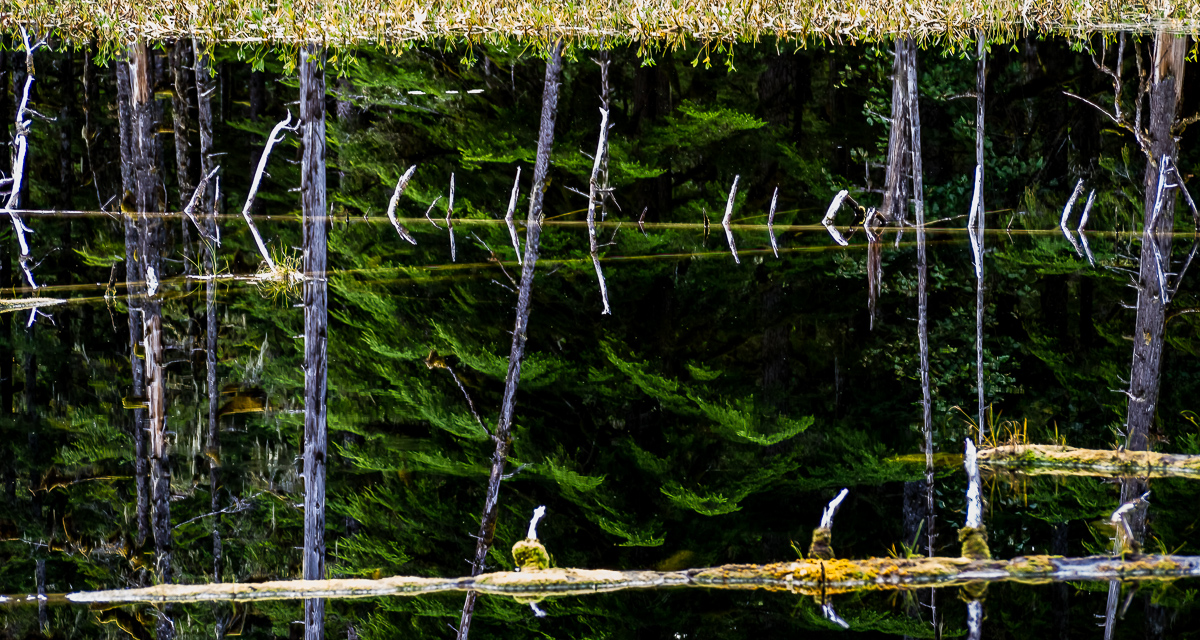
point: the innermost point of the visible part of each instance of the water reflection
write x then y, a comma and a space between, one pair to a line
743, 377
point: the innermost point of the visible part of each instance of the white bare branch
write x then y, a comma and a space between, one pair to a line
829, 215
450, 223
725, 220
771, 223
593, 190
508, 217
262, 166
831, 509
190, 209
391, 210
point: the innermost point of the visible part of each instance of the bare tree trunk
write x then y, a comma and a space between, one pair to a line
133, 280
147, 156
204, 124
487, 527
312, 193
6, 265
1166, 83
899, 158
980, 95
183, 148
66, 129
914, 116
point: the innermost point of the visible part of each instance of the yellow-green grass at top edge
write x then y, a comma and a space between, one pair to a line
587, 23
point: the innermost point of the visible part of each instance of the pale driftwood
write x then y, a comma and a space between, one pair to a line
829, 215
802, 577
725, 220
262, 165
391, 210
771, 223
1062, 460
593, 191
508, 217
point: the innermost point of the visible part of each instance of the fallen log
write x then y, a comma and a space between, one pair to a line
802, 577
1062, 460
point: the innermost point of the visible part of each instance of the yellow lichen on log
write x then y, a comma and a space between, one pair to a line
803, 577
1062, 460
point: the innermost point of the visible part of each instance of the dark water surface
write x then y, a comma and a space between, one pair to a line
707, 420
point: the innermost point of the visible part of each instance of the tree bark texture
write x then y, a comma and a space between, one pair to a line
502, 437
312, 193
1166, 81
180, 54
899, 159
133, 281
147, 160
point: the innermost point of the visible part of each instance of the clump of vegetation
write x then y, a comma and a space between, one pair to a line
280, 279
585, 22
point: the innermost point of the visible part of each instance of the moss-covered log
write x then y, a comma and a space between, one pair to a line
1061, 460
804, 577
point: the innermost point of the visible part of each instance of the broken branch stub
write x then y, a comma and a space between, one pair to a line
973, 535
822, 537
725, 220
391, 210
829, 215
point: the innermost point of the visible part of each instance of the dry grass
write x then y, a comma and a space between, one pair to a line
397, 23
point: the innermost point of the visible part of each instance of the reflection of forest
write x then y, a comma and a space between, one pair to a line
704, 422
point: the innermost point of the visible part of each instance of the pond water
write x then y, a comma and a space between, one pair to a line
744, 375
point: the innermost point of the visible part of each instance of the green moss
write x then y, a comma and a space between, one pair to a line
974, 543
530, 555
820, 548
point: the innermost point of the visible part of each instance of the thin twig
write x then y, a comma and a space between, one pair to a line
190, 209
450, 223
430, 209
771, 223
391, 210
508, 217
642, 222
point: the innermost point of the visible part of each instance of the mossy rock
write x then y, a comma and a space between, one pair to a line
530, 555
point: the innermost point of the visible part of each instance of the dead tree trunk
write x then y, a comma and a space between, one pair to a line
204, 116
894, 206
312, 193
1166, 81
980, 94
487, 527
147, 156
133, 280
183, 148
914, 120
